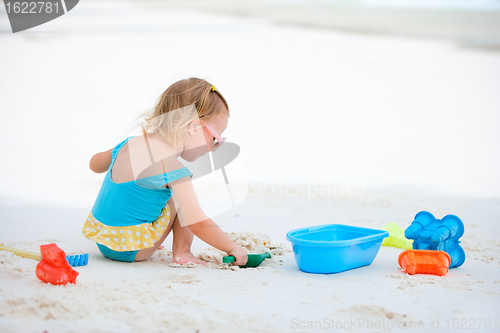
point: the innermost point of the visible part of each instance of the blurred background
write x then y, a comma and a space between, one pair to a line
327, 98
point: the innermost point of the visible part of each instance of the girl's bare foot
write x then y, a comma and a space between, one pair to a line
184, 257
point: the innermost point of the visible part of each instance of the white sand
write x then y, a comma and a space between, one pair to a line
360, 130
117, 297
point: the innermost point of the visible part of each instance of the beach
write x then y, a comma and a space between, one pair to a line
340, 119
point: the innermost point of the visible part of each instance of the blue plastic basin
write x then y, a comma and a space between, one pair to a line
334, 248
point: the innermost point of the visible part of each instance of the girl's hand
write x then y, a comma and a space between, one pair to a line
240, 254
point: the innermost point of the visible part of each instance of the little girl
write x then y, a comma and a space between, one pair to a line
147, 192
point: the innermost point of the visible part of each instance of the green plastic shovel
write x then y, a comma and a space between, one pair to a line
254, 260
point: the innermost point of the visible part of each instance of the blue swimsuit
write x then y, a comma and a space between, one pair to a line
130, 216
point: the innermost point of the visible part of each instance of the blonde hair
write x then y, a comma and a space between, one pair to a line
181, 103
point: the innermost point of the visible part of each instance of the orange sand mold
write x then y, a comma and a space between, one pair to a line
425, 262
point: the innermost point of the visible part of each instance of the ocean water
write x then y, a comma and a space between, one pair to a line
417, 4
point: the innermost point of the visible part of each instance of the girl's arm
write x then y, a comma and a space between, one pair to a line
210, 233
100, 162
191, 214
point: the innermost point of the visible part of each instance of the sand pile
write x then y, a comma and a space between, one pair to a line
253, 242
258, 243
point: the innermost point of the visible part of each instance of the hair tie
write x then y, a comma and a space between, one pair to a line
213, 88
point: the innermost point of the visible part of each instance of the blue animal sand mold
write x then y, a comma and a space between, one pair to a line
429, 233
334, 248
78, 260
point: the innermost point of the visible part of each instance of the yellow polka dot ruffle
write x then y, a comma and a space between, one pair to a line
135, 237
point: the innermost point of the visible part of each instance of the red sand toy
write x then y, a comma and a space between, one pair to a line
54, 268
425, 262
